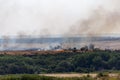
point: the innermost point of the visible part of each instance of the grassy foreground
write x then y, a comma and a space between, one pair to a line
37, 77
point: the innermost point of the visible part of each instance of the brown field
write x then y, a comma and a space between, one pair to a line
29, 52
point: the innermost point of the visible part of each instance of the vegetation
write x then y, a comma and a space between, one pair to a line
59, 63
37, 77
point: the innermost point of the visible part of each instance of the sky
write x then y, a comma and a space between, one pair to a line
59, 17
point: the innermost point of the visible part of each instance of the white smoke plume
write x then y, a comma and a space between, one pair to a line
55, 17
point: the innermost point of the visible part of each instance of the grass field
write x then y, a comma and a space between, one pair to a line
69, 75
93, 75
100, 76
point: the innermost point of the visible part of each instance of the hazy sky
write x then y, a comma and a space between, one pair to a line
49, 17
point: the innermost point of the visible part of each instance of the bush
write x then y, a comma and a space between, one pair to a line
102, 75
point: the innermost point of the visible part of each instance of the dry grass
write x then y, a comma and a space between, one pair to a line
69, 75
78, 75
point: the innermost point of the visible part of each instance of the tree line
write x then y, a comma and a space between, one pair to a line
59, 63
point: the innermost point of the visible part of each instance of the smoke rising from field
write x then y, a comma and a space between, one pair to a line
66, 18
51, 17
100, 22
